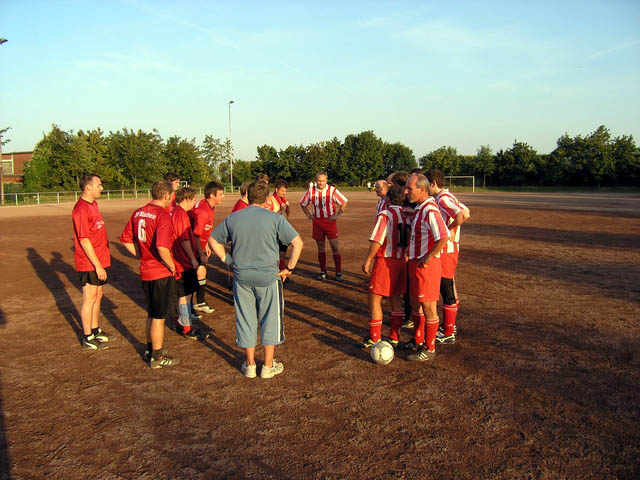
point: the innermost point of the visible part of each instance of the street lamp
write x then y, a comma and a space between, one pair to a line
2, 40
230, 149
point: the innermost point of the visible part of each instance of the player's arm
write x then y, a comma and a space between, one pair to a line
306, 212
296, 250
373, 249
461, 217
219, 250
131, 248
167, 259
186, 245
87, 246
435, 250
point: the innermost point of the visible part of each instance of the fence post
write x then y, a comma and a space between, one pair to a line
122, 194
76, 194
16, 199
108, 196
38, 197
58, 196
148, 193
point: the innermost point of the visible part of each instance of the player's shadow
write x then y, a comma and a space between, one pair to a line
3, 321
5, 460
343, 345
229, 354
350, 278
303, 314
51, 280
125, 279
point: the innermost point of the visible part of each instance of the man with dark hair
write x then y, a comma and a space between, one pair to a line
324, 198
388, 246
257, 283
174, 180
92, 258
398, 178
202, 223
149, 235
427, 239
454, 213
184, 251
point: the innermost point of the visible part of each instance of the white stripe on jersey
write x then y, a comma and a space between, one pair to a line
449, 207
391, 231
323, 201
426, 229
382, 204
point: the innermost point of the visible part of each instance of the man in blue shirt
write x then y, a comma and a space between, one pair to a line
257, 284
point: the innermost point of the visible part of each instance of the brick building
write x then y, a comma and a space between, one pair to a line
13, 166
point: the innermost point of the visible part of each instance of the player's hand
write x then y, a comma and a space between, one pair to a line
285, 273
366, 267
101, 273
207, 250
204, 258
423, 261
194, 263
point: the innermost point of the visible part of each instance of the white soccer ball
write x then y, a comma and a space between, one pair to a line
382, 353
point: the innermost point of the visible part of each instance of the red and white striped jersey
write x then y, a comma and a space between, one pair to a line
323, 201
382, 204
450, 206
392, 232
426, 229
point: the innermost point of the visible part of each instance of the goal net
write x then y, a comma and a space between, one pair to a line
461, 182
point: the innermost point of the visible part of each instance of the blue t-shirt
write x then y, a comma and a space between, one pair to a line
255, 233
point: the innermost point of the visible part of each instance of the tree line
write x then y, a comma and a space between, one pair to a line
131, 159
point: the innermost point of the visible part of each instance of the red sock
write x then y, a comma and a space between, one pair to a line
396, 324
281, 264
322, 260
432, 330
337, 260
418, 327
375, 329
450, 312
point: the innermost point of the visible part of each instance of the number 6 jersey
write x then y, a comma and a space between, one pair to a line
148, 228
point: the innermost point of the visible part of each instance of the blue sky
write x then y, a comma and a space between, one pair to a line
425, 74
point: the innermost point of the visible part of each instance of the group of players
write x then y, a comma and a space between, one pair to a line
415, 245
171, 235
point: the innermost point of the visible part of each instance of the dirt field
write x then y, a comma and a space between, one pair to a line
544, 381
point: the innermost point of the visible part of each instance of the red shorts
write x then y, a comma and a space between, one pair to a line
389, 277
324, 226
425, 281
449, 263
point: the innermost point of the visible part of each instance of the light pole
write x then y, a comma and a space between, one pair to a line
230, 149
2, 40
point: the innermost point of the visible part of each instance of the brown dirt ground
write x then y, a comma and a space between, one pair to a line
544, 381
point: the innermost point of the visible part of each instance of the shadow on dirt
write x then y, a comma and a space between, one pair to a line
598, 239
3, 321
5, 461
595, 275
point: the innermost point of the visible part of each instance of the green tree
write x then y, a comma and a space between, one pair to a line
517, 166
627, 157
444, 159
485, 163
364, 156
397, 157
215, 152
183, 157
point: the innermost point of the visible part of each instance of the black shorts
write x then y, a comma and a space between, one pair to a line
188, 283
91, 278
160, 296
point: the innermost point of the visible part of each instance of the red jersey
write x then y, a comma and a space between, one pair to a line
150, 227
450, 206
323, 201
182, 231
202, 221
170, 208
391, 231
283, 203
240, 204
426, 229
382, 204
88, 223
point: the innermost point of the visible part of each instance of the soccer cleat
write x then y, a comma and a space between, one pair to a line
270, 372
164, 361
445, 339
339, 277
393, 343
195, 334
194, 315
410, 345
104, 337
249, 370
422, 355
148, 355
322, 276
408, 323
367, 343
94, 344
203, 307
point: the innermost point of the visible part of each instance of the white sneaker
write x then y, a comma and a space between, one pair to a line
249, 370
270, 372
203, 307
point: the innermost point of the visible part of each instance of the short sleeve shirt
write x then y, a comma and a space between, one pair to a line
88, 223
182, 230
202, 220
255, 233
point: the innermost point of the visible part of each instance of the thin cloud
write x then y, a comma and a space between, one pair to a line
608, 51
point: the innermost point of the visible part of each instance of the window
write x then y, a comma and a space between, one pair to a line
7, 167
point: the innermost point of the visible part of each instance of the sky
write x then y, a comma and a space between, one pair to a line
426, 74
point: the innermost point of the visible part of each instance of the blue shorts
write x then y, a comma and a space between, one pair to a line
259, 306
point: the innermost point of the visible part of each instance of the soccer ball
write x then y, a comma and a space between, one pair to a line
382, 353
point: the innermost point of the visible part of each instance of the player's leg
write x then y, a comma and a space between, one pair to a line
161, 294
201, 305
417, 289
375, 321
397, 287
449, 311
99, 334
244, 300
337, 257
318, 235
430, 276
89, 299
270, 303
397, 317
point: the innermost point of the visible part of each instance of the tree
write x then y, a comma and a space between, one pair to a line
214, 153
364, 155
397, 157
517, 166
183, 158
444, 159
485, 162
627, 158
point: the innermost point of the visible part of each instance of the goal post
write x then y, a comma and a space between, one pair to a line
460, 181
